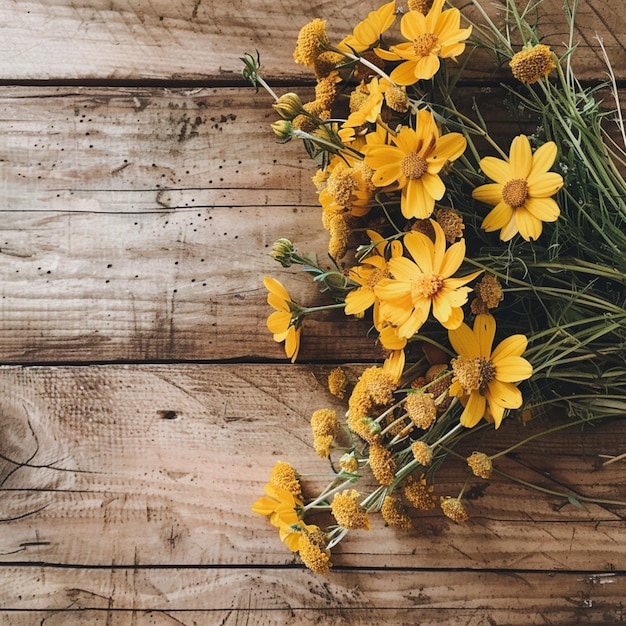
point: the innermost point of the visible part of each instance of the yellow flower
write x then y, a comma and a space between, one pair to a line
312, 547
423, 282
454, 509
367, 32
483, 378
279, 505
367, 275
532, 63
436, 35
284, 323
413, 161
348, 512
368, 108
395, 513
312, 41
522, 191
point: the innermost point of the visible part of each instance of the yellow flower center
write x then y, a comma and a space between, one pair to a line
531, 64
515, 192
423, 45
473, 374
341, 184
426, 286
413, 166
376, 276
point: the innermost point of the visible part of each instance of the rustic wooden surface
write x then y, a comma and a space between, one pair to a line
144, 402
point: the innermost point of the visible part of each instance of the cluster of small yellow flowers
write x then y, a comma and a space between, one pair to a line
325, 427
396, 98
348, 512
488, 294
421, 408
422, 452
312, 41
480, 464
454, 509
419, 493
313, 550
285, 476
395, 513
374, 388
423, 6
337, 382
326, 90
451, 223
532, 63
358, 96
468, 372
339, 231
382, 464
326, 62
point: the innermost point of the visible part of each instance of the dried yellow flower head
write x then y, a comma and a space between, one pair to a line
285, 476
348, 512
313, 551
339, 236
532, 63
422, 452
489, 291
451, 223
421, 409
396, 98
326, 90
395, 513
382, 464
312, 41
324, 422
419, 493
326, 62
480, 464
337, 382
453, 509
423, 6
379, 384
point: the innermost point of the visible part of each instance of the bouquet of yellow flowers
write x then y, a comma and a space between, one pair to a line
492, 276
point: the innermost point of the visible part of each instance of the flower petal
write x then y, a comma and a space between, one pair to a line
485, 331
498, 217
544, 185
543, 160
545, 209
496, 169
503, 394
528, 225
511, 346
474, 410
513, 369
359, 300
464, 341
422, 249
520, 157
491, 193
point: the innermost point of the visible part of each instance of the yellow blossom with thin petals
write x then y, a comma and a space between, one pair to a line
431, 37
484, 377
413, 162
522, 191
368, 31
283, 323
425, 283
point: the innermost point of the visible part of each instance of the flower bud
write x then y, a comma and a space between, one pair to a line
283, 130
283, 251
288, 106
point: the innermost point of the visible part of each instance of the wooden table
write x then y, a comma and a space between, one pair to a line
143, 402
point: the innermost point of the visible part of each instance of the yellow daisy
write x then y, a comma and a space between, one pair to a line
284, 323
522, 191
423, 283
413, 161
436, 35
367, 275
367, 32
483, 378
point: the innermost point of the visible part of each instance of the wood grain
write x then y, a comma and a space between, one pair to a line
195, 40
159, 466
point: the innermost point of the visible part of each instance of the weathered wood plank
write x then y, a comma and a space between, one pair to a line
136, 225
159, 466
195, 40
277, 597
